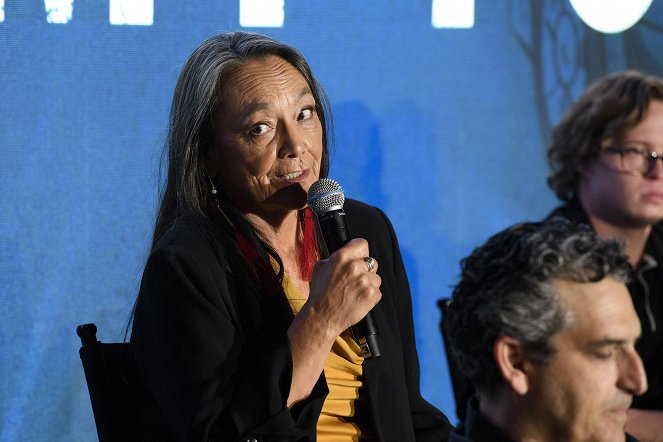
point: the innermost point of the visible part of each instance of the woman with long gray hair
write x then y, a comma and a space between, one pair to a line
241, 326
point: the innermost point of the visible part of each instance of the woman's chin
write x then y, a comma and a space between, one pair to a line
292, 197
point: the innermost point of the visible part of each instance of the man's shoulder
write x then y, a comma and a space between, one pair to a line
571, 211
655, 242
657, 230
457, 437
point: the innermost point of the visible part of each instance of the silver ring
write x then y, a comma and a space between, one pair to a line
370, 263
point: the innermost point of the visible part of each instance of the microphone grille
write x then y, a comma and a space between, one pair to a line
325, 195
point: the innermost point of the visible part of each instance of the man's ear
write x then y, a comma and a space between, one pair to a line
512, 362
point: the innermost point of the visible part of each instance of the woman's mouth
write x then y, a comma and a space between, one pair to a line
295, 177
292, 175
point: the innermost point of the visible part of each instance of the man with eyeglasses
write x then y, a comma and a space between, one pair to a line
605, 166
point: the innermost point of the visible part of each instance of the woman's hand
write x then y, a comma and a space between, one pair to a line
343, 291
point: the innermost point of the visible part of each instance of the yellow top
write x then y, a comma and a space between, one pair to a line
342, 410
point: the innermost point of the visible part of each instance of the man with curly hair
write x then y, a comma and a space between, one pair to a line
543, 325
604, 167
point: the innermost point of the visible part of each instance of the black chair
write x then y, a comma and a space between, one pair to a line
123, 410
461, 385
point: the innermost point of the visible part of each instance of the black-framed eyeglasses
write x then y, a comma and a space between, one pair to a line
635, 160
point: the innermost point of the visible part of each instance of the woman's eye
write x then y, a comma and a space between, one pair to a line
259, 129
305, 114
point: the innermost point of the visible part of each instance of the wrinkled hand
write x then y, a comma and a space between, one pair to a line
343, 290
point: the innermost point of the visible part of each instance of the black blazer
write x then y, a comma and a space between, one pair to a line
215, 354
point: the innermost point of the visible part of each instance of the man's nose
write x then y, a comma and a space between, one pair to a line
632, 377
656, 168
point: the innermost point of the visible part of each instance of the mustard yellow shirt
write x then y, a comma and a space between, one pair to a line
340, 416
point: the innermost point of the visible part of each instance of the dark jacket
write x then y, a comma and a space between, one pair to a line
479, 429
216, 357
646, 289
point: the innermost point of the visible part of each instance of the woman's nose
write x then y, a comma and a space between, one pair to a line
293, 143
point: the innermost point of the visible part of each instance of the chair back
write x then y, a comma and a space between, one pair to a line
122, 408
460, 383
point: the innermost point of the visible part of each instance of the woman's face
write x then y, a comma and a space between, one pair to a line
268, 142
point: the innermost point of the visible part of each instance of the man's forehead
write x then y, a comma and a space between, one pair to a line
599, 311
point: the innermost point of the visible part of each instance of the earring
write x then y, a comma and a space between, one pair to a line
214, 191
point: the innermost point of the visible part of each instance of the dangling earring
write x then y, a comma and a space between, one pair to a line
213, 191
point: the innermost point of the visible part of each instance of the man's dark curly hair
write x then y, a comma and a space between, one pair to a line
506, 289
611, 105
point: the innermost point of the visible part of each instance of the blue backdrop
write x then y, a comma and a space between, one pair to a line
444, 128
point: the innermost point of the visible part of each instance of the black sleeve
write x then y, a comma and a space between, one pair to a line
192, 350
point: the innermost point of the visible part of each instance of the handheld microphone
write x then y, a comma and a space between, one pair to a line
326, 198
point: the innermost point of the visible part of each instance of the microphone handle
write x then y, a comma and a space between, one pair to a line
336, 234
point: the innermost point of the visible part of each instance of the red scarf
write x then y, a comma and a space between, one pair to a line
308, 255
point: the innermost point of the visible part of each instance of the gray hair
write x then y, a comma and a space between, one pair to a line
506, 289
